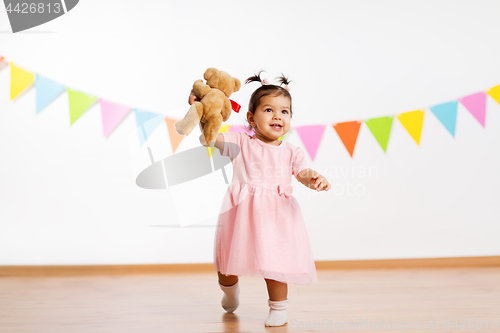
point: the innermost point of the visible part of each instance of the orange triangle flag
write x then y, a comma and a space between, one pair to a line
175, 138
348, 133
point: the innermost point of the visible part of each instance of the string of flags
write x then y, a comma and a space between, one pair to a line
48, 90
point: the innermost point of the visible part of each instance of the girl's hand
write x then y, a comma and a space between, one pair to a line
313, 180
192, 98
319, 183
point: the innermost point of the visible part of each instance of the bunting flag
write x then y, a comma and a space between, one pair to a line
3, 63
235, 128
112, 114
447, 115
413, 121
46, 91
79, 102
476, 105
175, 138
147, 123
495, 93
381, 130
311, 138
20, 80
348, 133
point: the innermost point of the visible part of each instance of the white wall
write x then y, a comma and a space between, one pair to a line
68, 195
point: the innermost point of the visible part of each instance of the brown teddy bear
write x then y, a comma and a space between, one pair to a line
212, 106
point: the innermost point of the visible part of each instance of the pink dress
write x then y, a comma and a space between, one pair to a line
260, 229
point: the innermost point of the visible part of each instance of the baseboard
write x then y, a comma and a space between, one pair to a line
452, 262
84, 270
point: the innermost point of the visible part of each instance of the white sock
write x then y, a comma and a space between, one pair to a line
277, 313
230, 300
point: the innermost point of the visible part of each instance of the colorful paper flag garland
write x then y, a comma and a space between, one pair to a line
113, 114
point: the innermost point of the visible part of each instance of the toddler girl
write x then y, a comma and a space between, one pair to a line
260, 230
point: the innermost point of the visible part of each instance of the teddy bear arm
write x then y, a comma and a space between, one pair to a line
200, 89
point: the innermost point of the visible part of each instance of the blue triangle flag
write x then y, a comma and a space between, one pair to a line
47, 90
447, 115
147, 123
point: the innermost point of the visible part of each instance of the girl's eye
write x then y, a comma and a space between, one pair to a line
285, 111
268, 110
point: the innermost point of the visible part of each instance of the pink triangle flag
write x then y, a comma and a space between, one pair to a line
112, 115
311, 137
476, 104
235, 128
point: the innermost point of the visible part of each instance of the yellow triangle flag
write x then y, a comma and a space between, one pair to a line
495, 93
413, 121
223, 129
20, 80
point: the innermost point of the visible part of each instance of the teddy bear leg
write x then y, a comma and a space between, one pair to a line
212, 127
226, 110
203, 141
190, 120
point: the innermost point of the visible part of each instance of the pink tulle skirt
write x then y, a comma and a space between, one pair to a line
262, 233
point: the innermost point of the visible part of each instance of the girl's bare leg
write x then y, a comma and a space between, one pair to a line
277, 290
227, 280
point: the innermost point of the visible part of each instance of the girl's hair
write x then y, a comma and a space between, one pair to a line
266, 90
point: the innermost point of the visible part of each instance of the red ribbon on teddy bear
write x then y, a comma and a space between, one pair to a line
235, 106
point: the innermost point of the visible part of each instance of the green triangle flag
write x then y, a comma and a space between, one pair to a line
381, 129
79, 102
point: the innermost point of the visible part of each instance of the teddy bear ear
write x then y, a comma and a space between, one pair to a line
209, 72
237, 85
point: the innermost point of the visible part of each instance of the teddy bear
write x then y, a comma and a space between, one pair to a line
212, 105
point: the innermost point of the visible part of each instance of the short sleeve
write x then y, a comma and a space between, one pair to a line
299, 161
232, 144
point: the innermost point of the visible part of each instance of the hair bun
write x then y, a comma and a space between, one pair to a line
254, 78
283, 80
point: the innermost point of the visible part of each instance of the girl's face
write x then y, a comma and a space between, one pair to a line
271, 119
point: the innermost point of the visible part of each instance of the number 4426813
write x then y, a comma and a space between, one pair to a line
34, 8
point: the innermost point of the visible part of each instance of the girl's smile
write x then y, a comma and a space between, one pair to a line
271, 119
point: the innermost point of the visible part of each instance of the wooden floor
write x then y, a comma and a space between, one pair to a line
414, 299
